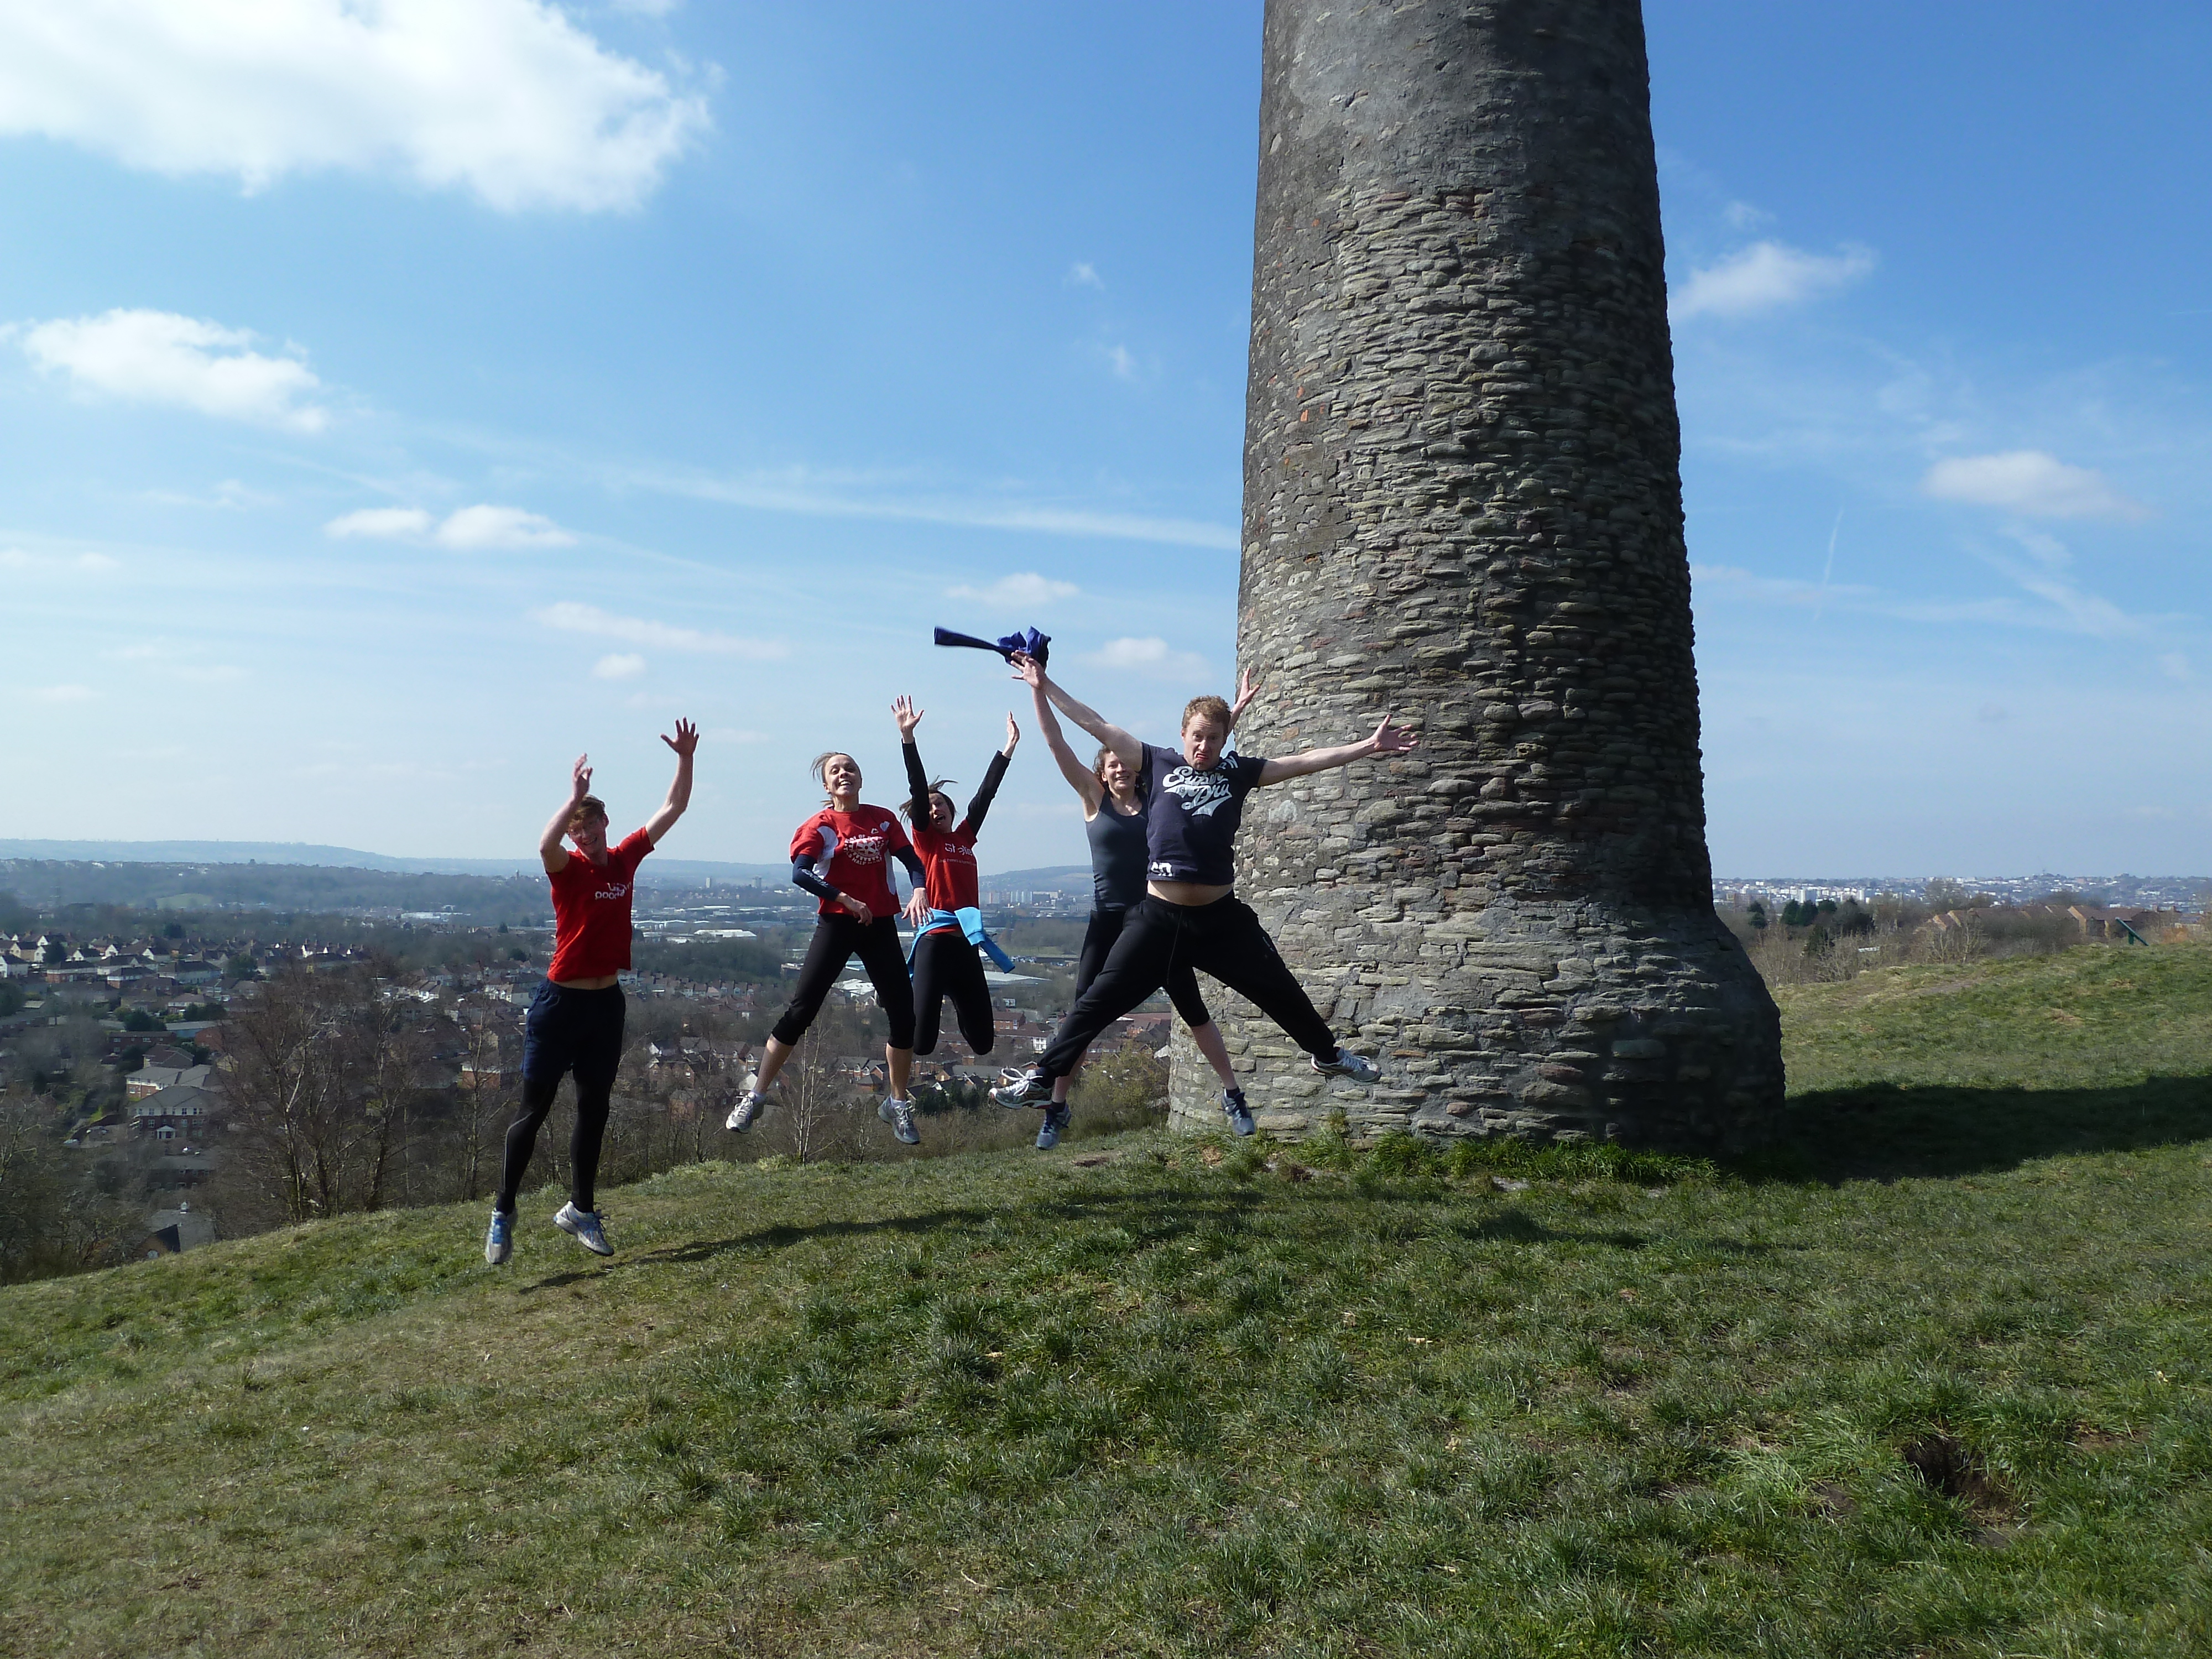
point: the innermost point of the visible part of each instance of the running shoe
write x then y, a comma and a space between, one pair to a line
1357, 1068
583, 1226
899, 1113
1055, 1125
1238, 1113
743, 1114
499, 1242
1031, 1088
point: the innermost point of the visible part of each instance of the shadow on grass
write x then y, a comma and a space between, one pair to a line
1884, 1132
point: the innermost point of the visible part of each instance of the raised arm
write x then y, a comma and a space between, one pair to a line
1080, 778
550, 853
979, 803
1245, 692
1028, 669
917, 781
685, 743
1389, 739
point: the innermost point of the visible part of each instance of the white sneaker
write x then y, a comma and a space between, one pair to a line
899, 1113
746, 1112
583, 1226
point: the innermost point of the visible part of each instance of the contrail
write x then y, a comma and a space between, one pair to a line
1828, 569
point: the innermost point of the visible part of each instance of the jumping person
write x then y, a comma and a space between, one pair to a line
576, 1020
949, 937
1194, 802
1114, 819
843, 856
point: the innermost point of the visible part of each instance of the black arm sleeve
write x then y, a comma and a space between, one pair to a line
803, 878
912, 860
982, 803
917, 783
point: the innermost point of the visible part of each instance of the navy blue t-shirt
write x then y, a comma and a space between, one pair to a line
1191, 817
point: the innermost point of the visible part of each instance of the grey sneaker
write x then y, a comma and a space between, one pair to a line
746, 1112
1055, 1125
583, 1226
1029, 1089
1357, 1068
1238, 1113
499, 1242
899, 1113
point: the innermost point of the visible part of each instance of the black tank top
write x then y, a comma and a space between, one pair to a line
1118, 856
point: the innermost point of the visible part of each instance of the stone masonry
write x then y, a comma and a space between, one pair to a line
1462, 503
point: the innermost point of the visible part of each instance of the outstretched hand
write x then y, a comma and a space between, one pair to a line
1245, 692
1390, 739
1013, 734
1028, 669
908, 717
685, 741
580, 778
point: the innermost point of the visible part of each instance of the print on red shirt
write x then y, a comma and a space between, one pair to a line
590, 911
853, 853
948, 858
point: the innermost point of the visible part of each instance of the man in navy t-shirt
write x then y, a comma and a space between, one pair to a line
1194, 801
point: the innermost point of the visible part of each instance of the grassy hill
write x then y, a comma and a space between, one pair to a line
1935, 1378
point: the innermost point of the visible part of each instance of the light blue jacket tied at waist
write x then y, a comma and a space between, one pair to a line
970, 921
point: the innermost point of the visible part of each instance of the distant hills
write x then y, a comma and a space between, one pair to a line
351, 858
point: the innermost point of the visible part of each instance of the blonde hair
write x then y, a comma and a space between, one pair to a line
821, 766
1209, 708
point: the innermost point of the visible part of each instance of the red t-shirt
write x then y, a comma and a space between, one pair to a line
949, 860
853, 853
590, 911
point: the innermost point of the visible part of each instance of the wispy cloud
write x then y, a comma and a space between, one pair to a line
55, 694
618, 665
2029, 482
576, 618
1766, 276
1024, 591
818, 495
15, 558
471, 530
1151, 656
160, 357
508, 99
230, 495
1083, 275
1119, 360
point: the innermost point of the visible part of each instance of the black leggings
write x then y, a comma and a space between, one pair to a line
565, 1030
946, 965
836, 939
1098, 939
1225, 939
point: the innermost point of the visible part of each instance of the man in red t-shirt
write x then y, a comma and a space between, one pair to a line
576, 1020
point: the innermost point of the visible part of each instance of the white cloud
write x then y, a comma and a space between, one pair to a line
1743, 215
507, 98
380, 522
471, 530
2030, 482
574, 618
1123, 364
1083, 275
160, 357
15, 558
618, 665
230, 494
1151, 656
1025, 590
62, 694
1764, 276
474, 528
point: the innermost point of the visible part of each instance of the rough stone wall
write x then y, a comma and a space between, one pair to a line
1464, 503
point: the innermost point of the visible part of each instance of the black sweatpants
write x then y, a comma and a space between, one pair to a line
1098, 939
946, 965
565, 1030
837, 939
1223, 939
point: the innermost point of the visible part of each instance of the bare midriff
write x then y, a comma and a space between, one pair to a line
1187, 892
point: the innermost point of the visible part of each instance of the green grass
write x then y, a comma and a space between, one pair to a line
1160, 1397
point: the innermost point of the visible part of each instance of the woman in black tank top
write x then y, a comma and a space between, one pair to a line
1114, 819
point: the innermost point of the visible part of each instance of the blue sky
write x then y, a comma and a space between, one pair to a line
396, 400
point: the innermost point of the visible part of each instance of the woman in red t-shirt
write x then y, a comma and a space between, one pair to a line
946, 962
576, 1020
843, 856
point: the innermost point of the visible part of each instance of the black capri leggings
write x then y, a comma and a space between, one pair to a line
837, 941
946, 965
1098, 944
1223, 937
